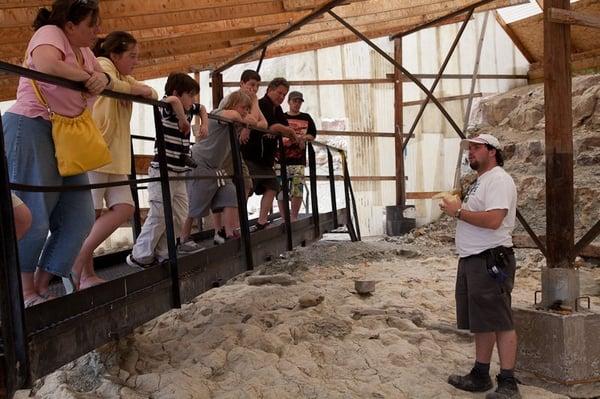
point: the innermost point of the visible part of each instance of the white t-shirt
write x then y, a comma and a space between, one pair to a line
495, 189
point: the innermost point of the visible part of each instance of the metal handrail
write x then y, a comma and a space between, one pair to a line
12, 312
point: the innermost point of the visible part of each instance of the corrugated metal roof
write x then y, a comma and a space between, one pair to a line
517, 13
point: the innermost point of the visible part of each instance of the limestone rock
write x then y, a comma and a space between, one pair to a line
309, 300
280, 279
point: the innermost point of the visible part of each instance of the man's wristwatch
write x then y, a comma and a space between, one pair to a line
457, 214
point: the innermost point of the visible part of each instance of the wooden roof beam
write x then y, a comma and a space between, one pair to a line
570, 17
513, 36
265, 43
452, 15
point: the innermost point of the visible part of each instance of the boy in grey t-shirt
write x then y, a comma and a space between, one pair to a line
211, 154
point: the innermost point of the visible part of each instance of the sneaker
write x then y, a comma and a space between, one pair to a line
507, 389
131, 261
258, 226
189, 247
220, 237
472, 382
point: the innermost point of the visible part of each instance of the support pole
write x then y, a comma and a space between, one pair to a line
136, 224
238, 180
350, 223
168, 209
558, 285
286, 195
14, 362
332, 188
312, 167
475, 72
217, 88
399, 123
262, 57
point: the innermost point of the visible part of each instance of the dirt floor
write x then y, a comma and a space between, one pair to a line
257, 341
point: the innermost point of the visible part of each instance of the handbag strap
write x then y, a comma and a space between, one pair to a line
40, 96
36, 88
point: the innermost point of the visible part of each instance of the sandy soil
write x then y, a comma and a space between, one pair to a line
256, 341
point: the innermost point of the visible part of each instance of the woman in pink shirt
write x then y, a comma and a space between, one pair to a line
60, 46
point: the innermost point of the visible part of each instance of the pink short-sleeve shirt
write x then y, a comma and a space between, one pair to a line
61, 100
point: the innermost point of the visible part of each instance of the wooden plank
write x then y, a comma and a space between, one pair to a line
421, 195
154, 13
513, 36
559, 140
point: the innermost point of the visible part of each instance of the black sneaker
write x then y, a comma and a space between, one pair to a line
507, 389
472, 382
258, 226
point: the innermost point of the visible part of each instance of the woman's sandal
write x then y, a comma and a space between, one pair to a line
34, 300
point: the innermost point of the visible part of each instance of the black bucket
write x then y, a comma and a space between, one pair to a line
395, 222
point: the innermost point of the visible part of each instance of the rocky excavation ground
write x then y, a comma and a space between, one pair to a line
309, 335
305, 333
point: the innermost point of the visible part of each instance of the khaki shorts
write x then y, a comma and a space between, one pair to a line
112, 195
483, 304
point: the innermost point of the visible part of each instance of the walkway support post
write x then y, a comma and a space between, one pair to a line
167, 208
312, 167
240, 189
14, 362
559, 280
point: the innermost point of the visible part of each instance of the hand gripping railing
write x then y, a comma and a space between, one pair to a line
15, 340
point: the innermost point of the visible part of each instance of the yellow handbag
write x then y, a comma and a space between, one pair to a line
78, 144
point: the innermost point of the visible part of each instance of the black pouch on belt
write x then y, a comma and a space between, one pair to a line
496, 261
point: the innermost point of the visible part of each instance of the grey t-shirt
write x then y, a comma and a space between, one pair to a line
212, 150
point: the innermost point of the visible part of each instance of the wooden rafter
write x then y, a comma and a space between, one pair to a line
515, 39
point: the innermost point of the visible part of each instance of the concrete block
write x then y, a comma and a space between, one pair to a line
557, 347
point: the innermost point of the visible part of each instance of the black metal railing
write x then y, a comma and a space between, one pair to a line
122, 304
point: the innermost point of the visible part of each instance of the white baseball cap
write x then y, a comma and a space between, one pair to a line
481, 139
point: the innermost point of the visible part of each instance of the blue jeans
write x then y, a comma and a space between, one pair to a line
67, 216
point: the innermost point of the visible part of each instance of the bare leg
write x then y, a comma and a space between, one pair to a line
22, 217
41, 280
230, 216
186, 229
282, 210
484, 345
265, 206
28, 286
507, 348
296, 204
217, 220
105, 225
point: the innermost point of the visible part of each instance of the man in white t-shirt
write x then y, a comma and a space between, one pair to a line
486, 268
